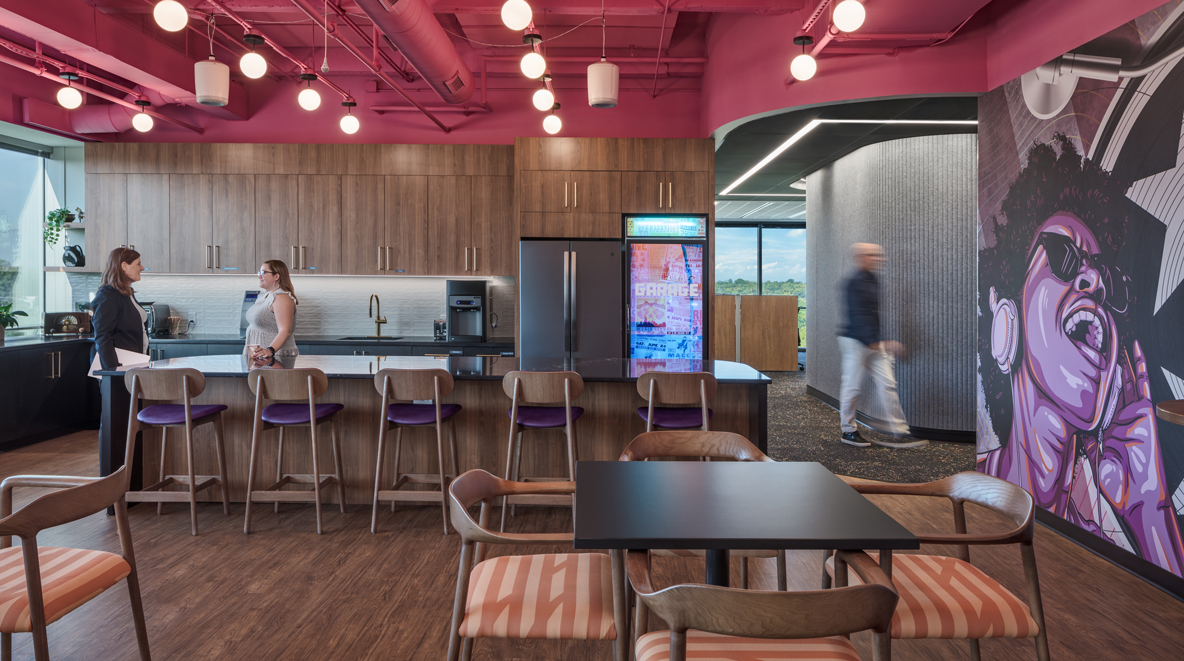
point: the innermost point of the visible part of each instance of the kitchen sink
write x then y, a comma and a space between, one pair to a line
371, 339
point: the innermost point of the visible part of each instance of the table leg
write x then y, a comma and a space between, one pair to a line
717, 567
886, 562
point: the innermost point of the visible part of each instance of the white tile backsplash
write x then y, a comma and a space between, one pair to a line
329, 305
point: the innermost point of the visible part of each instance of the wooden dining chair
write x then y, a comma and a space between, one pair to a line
709, 622
172, 385
292, 384
573, 596
712, 445
660, 389
55, 581
526, 391
944, 597
429, 384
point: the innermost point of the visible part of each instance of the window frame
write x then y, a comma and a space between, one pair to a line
760, 243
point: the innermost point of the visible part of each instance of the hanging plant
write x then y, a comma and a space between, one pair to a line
53, 225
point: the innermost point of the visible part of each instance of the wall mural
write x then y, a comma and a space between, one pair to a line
1081, 312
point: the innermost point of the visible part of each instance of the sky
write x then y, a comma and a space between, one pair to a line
736, 254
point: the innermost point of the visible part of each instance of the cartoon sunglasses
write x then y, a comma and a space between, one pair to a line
1065, 259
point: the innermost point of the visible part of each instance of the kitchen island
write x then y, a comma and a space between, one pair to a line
610, 420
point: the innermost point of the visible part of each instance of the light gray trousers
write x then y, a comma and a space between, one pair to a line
860, 360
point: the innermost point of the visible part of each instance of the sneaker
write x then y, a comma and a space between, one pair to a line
901, 442
854, 438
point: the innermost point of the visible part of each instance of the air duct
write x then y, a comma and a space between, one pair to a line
412, 28
113, 118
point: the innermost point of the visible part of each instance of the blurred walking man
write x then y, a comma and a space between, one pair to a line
865, 352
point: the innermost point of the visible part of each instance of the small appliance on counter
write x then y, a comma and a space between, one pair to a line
157, 324
468, 301
440, 330
248, 301
67, 323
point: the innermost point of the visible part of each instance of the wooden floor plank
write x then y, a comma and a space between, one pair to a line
285, 592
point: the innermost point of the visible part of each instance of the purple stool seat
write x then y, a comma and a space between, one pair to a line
419, 414
297, 414
545, 417
689, 417
174, 414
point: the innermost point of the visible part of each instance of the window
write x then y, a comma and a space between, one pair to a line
763, 259
22, 210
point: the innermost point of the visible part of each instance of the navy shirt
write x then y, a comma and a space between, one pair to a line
862, 292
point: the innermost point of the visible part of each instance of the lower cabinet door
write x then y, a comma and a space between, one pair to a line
37, 408
166, 350
11, 385
69, 404
224, 349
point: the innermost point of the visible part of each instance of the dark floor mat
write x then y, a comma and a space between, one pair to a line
802, 428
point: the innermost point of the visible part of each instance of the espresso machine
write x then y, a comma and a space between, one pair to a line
468, 307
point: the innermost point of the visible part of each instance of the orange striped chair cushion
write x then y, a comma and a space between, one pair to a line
655, 646
559, 595
69, 578
943, 597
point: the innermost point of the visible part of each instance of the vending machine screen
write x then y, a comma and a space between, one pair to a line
666, 300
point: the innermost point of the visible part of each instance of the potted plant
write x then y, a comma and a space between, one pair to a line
54, 223
8, 319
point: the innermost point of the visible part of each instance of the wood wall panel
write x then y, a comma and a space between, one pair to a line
320, 224
106, 209
769, 332
190, 223
363, 225
407, 224
277, 224
279, 158
234, 223
723, 327
148, 219
406, 159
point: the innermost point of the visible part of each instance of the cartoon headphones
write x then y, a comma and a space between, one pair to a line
1004, 331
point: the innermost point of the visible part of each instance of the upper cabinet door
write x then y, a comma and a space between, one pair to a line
148, 219
545, 190
493, 242
642, 154
234, 223
277, 227
191, 223
106, 204
363, 225
406, 225
449, 248
320, 224
643, 192
689, 154
690, 192
596, 192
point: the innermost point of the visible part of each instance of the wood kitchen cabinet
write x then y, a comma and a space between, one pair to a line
191, 223
233, 237
319, 226
363, 225
277, 228
491, 228
106, 210
667, 192
148, 220
406, 226
51, 395
450, 204
548, 200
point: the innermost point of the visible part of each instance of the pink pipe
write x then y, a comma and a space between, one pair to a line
414, 30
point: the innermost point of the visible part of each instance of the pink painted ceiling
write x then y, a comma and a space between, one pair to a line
688, 67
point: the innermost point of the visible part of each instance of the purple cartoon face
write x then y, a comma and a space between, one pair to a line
1070, 338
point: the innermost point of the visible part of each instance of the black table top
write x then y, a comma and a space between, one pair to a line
471, 367
726, 505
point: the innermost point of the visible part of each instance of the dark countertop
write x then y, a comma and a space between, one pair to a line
14, 343
214, 338
472, 368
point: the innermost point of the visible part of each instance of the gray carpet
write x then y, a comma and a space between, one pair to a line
802, 428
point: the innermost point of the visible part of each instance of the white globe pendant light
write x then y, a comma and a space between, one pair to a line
349, 123
533, 65
552, 124
252, 64
848, 15
543, 99
803, 67
69, 98
142, 121
170, 15
516, 14
309, 99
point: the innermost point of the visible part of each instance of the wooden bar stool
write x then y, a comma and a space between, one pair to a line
169, 385
289, 384
541, 388
660, 388
433, 384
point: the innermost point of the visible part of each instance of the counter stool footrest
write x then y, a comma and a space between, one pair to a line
422, 478
410, 496
287, 497
156, 494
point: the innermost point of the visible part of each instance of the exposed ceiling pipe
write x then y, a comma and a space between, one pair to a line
42, 72
191, 26
311, 12
414, 30
112, 117
661, 39
246, 25
343, 16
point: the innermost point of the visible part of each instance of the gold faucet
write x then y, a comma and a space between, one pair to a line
378, 322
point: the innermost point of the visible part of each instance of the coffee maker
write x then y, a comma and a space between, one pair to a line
468, 305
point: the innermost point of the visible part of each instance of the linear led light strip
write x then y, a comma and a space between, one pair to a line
818, 122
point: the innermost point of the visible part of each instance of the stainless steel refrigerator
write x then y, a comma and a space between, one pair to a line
570, 299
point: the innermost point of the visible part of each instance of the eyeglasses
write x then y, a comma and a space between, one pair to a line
266, 272
1065, 259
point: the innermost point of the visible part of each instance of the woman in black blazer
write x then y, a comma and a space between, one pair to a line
118, 317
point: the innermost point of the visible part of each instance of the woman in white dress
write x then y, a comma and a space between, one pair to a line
273, 317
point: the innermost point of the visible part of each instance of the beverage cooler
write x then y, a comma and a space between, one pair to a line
665, 255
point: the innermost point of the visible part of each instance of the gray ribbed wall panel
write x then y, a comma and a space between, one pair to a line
917, 197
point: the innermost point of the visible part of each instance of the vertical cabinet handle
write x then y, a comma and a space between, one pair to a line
575, 186
217, 257
292, 261
474, 258
59, 364
208, 251
670, 195
659, 195
388, 258
466, 258
565, 195
302, 256
379, 267
50, 377
160, 353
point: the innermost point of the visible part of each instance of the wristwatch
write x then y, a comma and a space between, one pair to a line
271, 350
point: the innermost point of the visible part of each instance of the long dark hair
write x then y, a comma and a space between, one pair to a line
281, 272
114, 276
